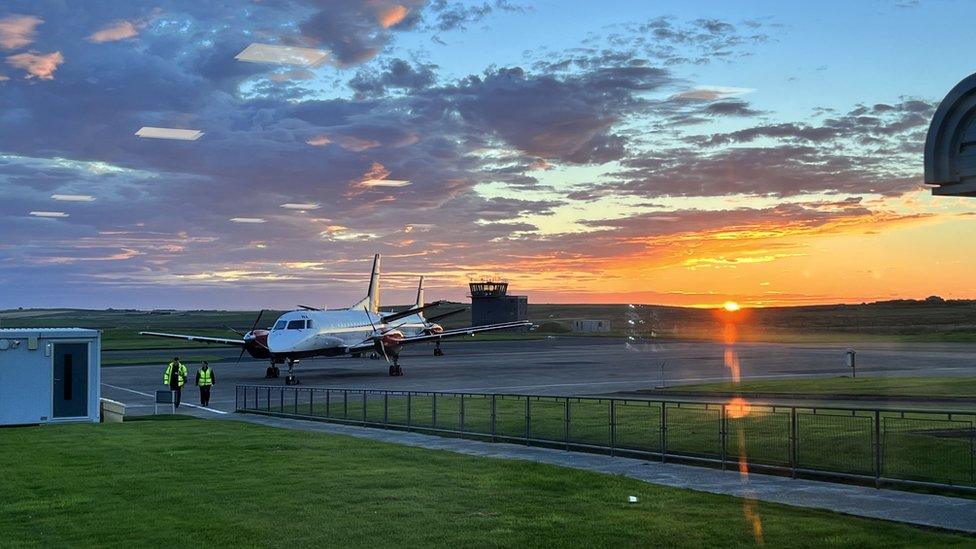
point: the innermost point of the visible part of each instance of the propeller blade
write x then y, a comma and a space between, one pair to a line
256, 320
307, 308
240, 356
238, 332
378, 342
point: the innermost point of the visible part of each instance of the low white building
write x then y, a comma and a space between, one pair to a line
49, 375
589, 325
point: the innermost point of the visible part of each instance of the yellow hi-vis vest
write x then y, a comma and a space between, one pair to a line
180, 373
206, 377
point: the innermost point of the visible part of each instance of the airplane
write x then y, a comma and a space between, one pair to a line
362, 328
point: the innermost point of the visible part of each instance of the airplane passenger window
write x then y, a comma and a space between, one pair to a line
296, 324
280, 325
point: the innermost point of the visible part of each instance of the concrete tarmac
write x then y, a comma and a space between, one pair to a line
552, 366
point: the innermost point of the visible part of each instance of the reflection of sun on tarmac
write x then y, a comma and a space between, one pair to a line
738, 408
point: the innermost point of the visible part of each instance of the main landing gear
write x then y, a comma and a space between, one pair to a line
290, 379
272, 372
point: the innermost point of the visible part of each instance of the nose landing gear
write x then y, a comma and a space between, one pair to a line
290, 379
395, 369
437, 349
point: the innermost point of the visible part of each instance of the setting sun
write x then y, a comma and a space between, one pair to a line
731, 306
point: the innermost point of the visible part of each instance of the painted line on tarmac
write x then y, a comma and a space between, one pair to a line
153, 396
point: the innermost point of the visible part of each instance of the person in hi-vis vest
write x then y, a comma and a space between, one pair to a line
205, 380
175, 378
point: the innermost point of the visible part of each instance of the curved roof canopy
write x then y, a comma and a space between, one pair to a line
950, 147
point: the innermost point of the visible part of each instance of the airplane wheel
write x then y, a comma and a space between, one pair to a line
438, 352
393, 370
277, 372
399, 370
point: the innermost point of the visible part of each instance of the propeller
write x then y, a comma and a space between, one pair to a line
238, 332
373, 326
253, 327
307, 308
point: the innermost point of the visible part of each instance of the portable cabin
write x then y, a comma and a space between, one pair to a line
49, 375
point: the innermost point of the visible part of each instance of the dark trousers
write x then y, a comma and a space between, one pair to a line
205, 395
177, 393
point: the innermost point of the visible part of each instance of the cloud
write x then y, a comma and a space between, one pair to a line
17, 31
354, 30
710, 93
392, 15
449, 16
36, 64
397, 74
119, 30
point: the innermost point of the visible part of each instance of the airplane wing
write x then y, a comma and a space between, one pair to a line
470, 330
202, 339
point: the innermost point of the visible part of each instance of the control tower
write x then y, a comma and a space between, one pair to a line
491, 304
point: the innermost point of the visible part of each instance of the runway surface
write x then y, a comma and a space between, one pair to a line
559, 366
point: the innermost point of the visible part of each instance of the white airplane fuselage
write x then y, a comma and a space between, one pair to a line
302, 334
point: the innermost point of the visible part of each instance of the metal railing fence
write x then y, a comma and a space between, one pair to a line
925, 448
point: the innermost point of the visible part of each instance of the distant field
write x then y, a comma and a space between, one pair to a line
230, 484
901, 321
862, 386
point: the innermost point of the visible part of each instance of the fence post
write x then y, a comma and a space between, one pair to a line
269, 399
794, 435
528, 420
386, 408
613, 426
281, 400
724, 434
408, 409
328, 403
493, 418
237, 398
664, 431
566, 422
364, 406
311, 402
877, 448
345, 404
461, 412
433, 411
296, 400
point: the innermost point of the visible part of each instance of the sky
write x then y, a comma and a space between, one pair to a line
668, 152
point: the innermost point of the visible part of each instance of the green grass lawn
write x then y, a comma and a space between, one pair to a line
224, 483
918, 446
123, 339
864, 386
161, 359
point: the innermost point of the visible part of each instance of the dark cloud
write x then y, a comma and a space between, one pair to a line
395, 74
355, 31
880, 120
449, 16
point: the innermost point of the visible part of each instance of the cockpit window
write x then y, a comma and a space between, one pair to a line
296, 324
308, 323
280, 325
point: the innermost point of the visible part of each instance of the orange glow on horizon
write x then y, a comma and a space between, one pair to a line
731, 306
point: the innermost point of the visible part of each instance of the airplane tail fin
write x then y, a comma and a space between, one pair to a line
371, 302
420, 296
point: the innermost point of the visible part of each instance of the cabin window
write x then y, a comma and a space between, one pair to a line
280, 325
296, 324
